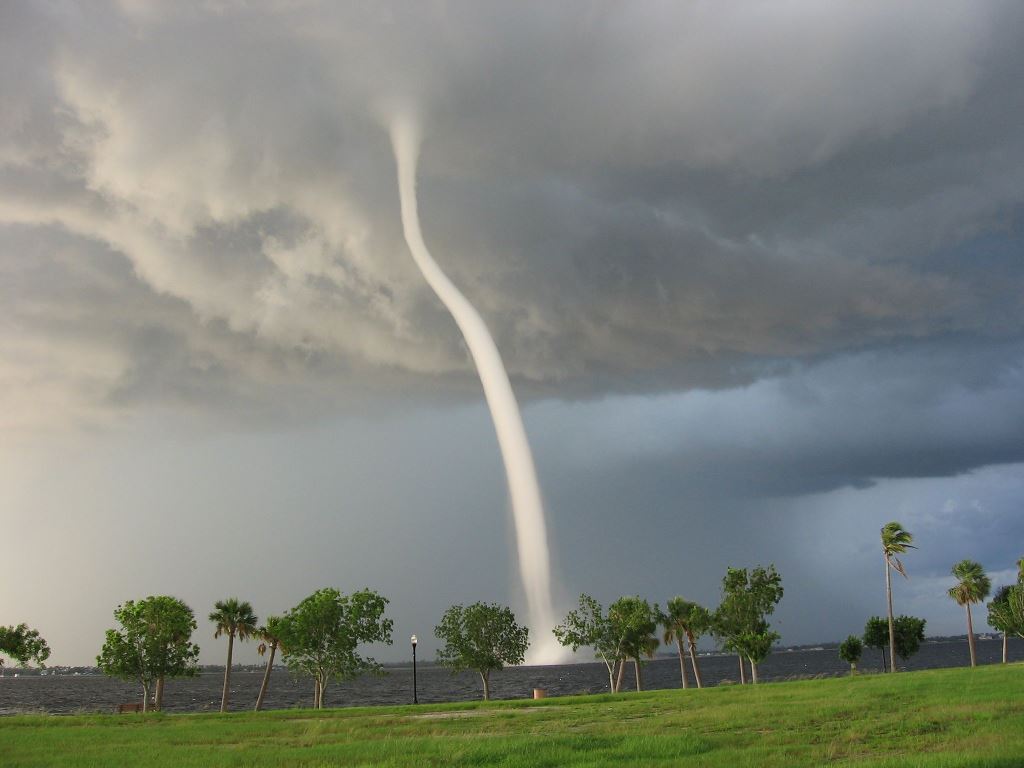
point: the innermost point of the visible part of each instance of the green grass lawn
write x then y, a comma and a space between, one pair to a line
957, 717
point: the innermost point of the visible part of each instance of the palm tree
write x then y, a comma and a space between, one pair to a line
233, 618
270, 638
685, 620
674, 621
648, 647
972, 586
895, 541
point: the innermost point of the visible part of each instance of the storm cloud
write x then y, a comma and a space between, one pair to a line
738, 260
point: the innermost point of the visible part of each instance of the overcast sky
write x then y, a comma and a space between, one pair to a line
756, 270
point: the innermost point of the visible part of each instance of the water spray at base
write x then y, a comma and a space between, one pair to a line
527, 509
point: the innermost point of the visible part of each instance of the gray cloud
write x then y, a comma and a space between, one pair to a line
627, 193
757, 269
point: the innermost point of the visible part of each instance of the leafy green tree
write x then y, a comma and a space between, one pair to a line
895, 541
270, 639
685, 619
153, 643
973, 586
1015, 609
634, 624
876, 635
726, 627
1000, 615
321, 636
748, 598
756, 645
909, 634
850, 651
234, 618
1006, 610
588, 627
23, 645
483, 637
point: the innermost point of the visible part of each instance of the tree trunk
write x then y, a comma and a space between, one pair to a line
639, 682
853, 668
753, 672
884, 668
487, 686
145, 698
266, 677
321, 692
743, 672
682, 661
693, 660
970, 635
227, 674
892, 630
611, 676
622, 673
158, 704
1004, 647
316, 692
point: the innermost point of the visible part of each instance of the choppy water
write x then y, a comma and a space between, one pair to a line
96, 693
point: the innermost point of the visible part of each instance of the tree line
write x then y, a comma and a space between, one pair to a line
321, 637
628, 631
905, 633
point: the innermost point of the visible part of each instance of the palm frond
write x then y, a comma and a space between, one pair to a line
973, 584
896, 539
897, 565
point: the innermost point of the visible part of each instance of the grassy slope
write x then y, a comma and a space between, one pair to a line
936, 718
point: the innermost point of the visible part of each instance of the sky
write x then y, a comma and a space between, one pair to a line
756, 271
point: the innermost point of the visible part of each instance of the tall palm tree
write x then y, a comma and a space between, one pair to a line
233, 618
895, 541
270, 638
972, 586
685, 620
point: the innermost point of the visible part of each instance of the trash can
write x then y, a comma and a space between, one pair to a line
539, 693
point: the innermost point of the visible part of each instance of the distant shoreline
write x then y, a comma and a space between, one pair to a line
83, 671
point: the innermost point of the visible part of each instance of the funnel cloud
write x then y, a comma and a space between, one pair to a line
527, 508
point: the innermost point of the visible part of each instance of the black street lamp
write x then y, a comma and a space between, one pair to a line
414, 699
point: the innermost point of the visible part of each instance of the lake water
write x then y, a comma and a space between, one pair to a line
65, 694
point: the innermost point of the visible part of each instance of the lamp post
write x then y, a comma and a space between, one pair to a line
415, 700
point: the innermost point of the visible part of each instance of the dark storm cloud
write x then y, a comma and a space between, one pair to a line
757, 267
799, 469
642, 197
915, 411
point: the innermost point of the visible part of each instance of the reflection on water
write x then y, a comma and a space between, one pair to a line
70, 694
